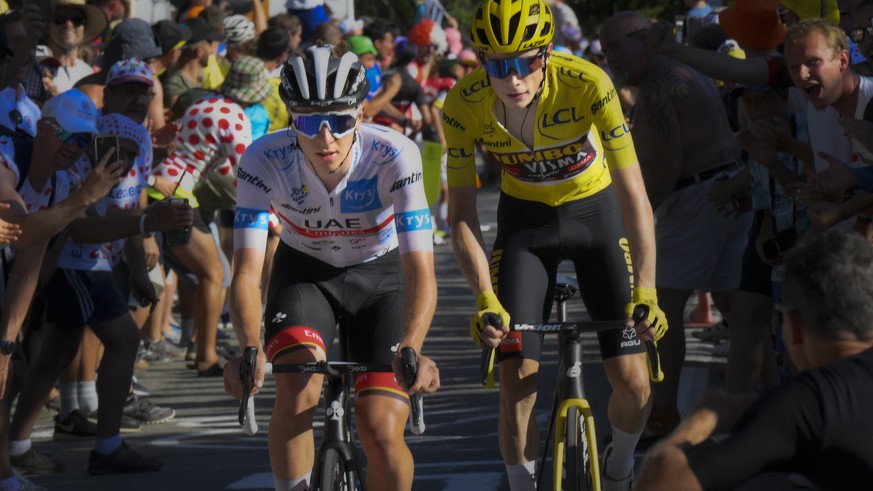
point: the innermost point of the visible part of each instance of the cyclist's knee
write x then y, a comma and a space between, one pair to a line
297, 393
629, 378
380, 422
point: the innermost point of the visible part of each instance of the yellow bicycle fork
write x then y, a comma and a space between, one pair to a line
584, 410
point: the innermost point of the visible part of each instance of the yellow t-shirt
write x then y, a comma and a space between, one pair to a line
212, 74
580, 134
275, 107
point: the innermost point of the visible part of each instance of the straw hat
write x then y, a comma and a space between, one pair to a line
95, 19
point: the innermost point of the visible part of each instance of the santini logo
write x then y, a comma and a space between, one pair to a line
415, 177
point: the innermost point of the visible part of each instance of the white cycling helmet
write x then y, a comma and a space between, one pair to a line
318, 78
238, 29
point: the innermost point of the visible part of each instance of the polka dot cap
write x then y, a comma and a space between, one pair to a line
131, 70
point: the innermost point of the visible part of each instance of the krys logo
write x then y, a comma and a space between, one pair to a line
361, 196
251, 218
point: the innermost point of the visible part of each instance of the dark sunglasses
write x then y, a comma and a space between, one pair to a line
339, 125
81, 140
78, 20
857, 33
522, 66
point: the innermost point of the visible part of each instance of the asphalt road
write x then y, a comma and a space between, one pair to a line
203, 447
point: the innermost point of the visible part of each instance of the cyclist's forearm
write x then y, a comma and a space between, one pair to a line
245, 308
420, 297
467, 244
639, 226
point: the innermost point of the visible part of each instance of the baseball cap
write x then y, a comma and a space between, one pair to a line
360, 45
132, 38
171, 35
202, 31
73, 110
349, 25
132, 70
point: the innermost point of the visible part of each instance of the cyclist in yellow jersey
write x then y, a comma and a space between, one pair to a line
571, 190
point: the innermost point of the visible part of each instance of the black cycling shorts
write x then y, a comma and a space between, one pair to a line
364, 300
534, 238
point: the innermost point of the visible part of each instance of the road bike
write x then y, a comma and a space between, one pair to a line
575, 460
337, 467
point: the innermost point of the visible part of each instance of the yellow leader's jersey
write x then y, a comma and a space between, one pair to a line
580, 134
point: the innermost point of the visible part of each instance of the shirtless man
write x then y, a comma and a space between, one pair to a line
684, 143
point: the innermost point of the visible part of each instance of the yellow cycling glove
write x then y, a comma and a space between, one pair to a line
649, 297
488, 304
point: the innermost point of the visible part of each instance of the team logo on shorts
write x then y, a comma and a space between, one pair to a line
630, 334
279, 317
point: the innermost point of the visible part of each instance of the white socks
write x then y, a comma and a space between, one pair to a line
69, 399
521, 476
87, 395
297, 484
621, 460
17, 448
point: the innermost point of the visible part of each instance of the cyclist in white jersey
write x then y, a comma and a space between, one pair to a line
355, 253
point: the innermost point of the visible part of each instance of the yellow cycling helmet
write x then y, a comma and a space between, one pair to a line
509, 26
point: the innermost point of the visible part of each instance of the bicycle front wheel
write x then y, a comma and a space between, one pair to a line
577, 459
335, 476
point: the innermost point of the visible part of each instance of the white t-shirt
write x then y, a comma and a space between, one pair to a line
125, 196
826, 134
67, 77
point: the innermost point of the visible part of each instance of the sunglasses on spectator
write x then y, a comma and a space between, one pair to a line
81, 140
857, 33
339, 124
78, 20
522, 66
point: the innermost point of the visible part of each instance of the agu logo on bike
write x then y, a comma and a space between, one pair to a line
361, 196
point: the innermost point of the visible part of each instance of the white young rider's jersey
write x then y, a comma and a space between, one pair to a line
379, 205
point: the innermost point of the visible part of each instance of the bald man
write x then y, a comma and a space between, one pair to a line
684, 142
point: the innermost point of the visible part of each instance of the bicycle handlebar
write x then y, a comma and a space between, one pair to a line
333, 368
486, 366
410, 372
247, 405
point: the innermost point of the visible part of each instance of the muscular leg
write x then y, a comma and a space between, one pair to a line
630, 401
120, 337
671, 348
517, 427
200, 255
380, 422
290, 435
